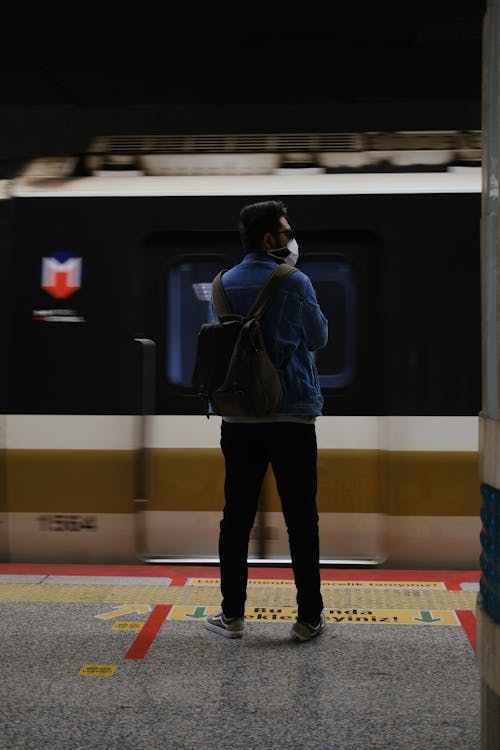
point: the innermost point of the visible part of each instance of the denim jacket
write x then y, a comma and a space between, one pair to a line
293, 326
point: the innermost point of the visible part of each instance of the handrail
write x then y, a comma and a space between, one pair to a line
142, 490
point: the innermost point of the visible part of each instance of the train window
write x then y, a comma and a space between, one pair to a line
336, 290
188, 300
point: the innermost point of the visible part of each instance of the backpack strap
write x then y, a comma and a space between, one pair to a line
281, 272
220, 300
221, 303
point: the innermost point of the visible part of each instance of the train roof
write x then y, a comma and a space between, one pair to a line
283, 183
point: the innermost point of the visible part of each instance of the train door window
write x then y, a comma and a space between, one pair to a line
335, 284
188, 301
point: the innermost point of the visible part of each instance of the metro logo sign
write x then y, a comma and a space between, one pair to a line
61, 275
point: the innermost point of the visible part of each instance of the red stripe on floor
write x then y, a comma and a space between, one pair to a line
453, 581
89, 569
468, 622
148, 632
179, 574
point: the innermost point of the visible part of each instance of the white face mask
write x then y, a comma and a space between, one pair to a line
293, 250
289, 253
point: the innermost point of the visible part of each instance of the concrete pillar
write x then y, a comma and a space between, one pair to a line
488, 604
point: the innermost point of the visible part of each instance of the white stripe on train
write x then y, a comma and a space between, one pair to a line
111, 432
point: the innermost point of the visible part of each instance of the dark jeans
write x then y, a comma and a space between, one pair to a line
291, 450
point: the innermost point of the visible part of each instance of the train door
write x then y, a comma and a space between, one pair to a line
183, 472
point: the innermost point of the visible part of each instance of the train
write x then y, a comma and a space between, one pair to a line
107, 453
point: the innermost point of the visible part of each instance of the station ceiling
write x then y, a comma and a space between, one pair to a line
375, 67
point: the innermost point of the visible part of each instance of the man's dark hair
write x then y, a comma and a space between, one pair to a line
258, 218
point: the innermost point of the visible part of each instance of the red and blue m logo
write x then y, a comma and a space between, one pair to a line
61, 275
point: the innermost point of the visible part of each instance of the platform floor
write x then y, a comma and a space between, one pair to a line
116, 657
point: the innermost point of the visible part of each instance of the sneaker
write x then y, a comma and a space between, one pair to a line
304, 631
230, 627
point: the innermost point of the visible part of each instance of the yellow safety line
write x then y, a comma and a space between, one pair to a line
258, 596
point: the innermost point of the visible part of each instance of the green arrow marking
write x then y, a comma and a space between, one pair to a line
426, 616
198, 613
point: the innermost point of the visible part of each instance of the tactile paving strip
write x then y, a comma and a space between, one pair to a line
265, 596
411, 599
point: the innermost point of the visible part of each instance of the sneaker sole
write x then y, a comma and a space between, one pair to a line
222, 631
303, 639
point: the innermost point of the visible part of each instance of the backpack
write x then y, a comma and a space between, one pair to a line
233, 372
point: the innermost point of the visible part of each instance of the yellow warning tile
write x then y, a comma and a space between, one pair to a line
271, 614
203, 582
392, 616
414, 599
327, 584
15, 592
131, 597
339, 616
181, 612
251, 582
128, 609
97, 670
121, 625
385, 584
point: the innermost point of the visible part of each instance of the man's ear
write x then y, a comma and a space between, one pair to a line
268, 241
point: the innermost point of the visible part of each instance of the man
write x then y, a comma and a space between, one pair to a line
293, 326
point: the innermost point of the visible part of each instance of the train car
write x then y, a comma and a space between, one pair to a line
108, 454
